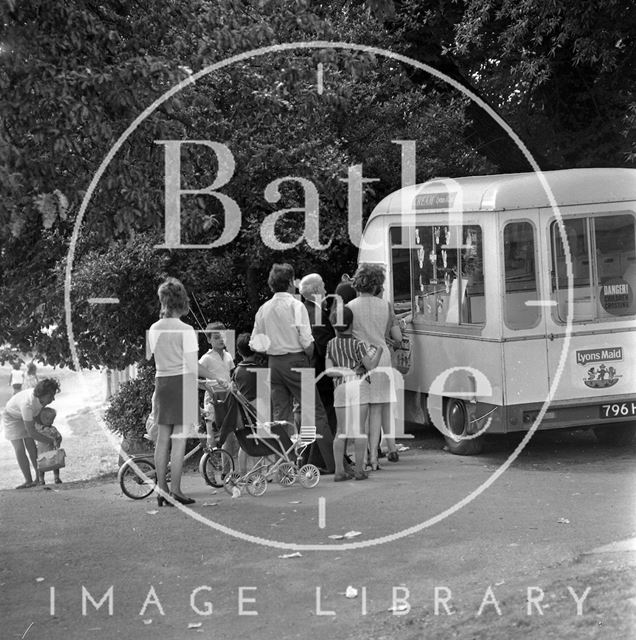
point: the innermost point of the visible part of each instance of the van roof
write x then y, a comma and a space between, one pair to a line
514, 191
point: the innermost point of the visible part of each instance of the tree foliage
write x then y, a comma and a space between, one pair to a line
75, 75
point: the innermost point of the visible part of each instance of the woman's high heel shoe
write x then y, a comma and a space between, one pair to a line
163, 502
183, 499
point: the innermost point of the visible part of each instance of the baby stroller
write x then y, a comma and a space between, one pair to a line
265, 441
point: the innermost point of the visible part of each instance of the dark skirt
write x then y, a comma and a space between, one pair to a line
176, 400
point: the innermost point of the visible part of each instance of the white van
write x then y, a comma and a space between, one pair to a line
485, 272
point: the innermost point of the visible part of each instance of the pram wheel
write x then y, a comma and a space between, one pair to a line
309, 475
287, 474
232, 482
256, 484
215, 465
132, 481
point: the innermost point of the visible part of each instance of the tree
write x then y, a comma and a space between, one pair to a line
562, 76
70, 95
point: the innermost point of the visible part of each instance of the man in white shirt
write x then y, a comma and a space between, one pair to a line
282, 330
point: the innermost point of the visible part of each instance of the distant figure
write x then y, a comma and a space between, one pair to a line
31, 377
44, 426
17, 377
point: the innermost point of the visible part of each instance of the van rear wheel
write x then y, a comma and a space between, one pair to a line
456, 418
616, 435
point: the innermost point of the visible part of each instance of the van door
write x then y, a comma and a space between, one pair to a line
524, 330
599, 364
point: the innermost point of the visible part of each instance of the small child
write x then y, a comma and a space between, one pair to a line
44, 424
17, 377
31, 377
353, 359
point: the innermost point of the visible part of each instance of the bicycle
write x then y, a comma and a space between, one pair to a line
137, 477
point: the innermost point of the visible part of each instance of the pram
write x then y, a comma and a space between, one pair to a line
266, 440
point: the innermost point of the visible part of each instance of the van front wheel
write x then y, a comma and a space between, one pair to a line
456, 418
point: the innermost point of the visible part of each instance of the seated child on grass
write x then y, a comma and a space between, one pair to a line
44, 424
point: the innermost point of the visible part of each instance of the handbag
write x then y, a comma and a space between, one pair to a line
401, 356
51, 460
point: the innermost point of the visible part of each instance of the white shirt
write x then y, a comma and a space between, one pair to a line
17, 376
220, 365
22, 406
170, 339
281, 326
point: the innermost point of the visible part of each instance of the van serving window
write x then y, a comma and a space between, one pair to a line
447, 275
401, 270
602, 251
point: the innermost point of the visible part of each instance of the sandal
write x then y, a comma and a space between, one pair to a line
341, 477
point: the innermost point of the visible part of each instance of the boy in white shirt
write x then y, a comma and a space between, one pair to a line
217, 360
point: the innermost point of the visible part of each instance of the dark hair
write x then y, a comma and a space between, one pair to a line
173, 297
346, 292
46, 386
347, 319
213, 327
31, 369
369, 278
280, 277
243, 345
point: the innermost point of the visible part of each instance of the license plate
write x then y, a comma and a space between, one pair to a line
618, 409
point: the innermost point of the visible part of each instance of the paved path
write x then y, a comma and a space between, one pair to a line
65, 547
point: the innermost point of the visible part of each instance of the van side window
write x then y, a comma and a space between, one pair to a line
601, 250
520, 276
401, 269
448, 278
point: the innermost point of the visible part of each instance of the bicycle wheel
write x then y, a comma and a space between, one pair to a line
132, 481
215, 465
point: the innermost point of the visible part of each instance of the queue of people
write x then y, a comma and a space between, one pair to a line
339, 344
342, 338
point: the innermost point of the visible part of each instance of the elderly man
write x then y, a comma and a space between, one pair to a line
283, 331
312, 289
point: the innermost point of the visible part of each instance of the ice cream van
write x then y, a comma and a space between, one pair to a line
517, 295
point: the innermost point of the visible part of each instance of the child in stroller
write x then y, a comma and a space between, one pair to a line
264, 441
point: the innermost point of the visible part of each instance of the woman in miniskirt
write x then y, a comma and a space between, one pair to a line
175, 401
